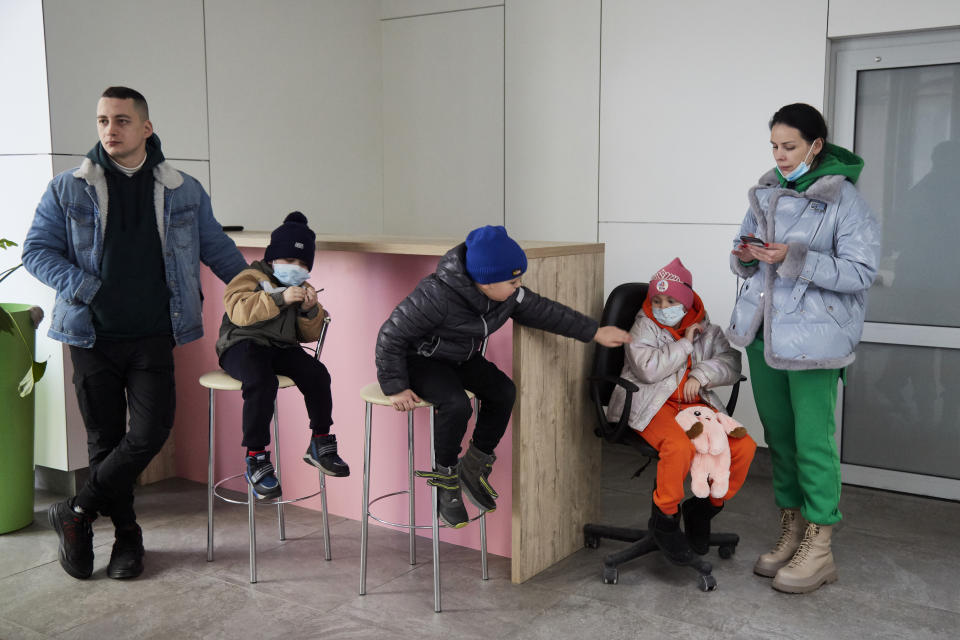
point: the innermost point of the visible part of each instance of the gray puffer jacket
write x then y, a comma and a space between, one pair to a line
447, 317
812, 305
655, 361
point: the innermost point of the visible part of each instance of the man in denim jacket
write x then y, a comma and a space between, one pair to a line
120, 239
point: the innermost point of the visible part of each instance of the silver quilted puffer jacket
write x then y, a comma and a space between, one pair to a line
812, 305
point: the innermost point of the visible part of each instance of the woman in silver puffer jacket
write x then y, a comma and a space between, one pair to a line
808, 251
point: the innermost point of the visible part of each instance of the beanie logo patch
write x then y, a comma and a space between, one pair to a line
298, 245
662, 285
517, 272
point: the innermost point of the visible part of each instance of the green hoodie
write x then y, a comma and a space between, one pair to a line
834, 161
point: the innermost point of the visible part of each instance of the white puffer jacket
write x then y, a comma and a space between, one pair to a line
655, 361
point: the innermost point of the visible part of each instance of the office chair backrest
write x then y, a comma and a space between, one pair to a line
621, 309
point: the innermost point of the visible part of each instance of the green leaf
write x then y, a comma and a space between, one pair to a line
37, 369
6, 322
4, 243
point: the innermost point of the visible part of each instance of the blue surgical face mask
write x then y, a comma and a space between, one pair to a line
801, 168
669, 316
292, 275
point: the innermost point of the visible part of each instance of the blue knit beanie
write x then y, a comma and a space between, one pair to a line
493, 256
292, 239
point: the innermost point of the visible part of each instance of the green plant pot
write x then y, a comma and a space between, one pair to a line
16, 425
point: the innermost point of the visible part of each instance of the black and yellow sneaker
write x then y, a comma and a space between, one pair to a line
475, 468
450, 506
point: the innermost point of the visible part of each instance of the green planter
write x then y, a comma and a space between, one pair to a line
16, 425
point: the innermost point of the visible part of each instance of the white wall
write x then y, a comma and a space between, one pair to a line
25, 169
855, 17
552, 105
443, 122
687, 91
295, 102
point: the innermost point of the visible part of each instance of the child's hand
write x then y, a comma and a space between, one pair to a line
691, 390
292, 295
406, 400
611, 336
692, 331
309, 298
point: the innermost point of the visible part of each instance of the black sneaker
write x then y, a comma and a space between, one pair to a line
261, 477
697, 513
450, 506
126, 559
76, 539
475, 468
322, 453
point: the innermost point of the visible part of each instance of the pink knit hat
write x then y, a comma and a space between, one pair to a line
675, 281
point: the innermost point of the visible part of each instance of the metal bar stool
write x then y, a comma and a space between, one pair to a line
371, 395
219, 380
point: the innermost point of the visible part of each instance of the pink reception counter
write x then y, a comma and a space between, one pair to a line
547, 468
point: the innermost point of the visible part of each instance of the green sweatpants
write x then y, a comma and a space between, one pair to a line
797, 412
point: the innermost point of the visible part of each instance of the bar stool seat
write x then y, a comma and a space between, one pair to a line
372, 395
220, 380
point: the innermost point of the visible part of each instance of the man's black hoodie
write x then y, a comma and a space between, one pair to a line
133, 300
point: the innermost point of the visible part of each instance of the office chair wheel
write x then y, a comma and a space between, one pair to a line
591, 541
707, 583
611, 575
726, 551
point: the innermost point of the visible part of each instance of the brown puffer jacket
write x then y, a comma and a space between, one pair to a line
255, 311
447, 317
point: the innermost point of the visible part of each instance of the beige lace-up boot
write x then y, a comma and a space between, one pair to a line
791, 533
812, 565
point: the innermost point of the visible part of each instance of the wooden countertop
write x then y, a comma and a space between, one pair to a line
414, 246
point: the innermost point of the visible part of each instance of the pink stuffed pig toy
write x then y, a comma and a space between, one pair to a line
708, 431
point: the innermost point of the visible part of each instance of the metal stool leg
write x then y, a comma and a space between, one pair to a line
436, 524
323, 509
412, 517
365, 510
484, 575
210, 423
251, 505
276, 466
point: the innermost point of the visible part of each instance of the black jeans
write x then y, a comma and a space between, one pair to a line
112, 378
442, 383
257, 366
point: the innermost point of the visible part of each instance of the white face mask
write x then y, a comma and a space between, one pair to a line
801, 168
292, 275
669, 316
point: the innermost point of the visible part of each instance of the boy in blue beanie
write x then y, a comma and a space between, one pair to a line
270, 310
429, 348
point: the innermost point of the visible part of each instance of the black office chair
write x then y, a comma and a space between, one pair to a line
621, 309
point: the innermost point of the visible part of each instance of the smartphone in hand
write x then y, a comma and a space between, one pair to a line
752, 240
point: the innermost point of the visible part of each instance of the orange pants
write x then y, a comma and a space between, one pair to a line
676, 455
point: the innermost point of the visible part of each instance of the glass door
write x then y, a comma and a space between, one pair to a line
897, 104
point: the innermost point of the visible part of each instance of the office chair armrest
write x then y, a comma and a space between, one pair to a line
607, 430
734, 394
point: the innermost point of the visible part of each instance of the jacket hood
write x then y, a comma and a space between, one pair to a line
834, 161
98, 155
452, 271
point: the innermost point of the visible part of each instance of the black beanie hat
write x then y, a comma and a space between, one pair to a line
292, 239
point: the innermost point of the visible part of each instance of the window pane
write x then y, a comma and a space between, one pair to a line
908, 132
901, 410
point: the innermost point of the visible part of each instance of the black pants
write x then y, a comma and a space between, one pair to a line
443, 383
112, 378
257, 366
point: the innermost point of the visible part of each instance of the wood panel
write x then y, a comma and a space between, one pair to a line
556, 458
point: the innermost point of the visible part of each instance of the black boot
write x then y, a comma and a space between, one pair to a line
475, 468
697, 513
668, 536
449, 499
126, 559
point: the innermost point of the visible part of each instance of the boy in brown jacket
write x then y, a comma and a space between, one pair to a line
270, 310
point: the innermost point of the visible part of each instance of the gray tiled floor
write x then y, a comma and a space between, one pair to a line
897, 555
